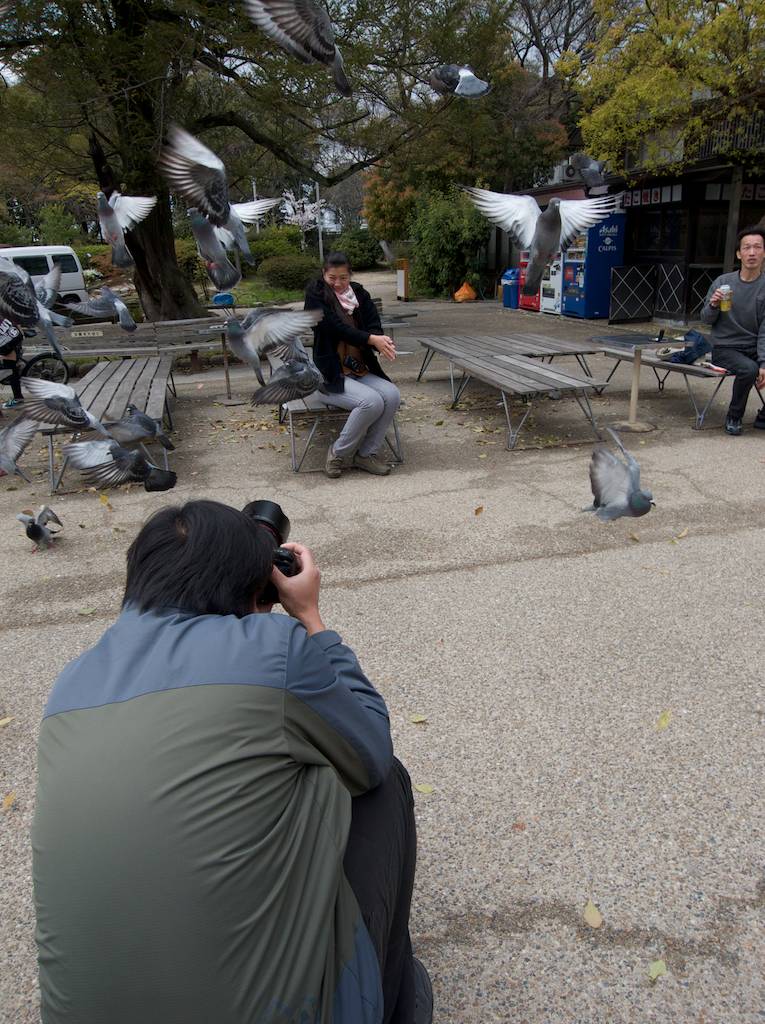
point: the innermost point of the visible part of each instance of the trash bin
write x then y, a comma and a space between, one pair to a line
510, 287
402, 280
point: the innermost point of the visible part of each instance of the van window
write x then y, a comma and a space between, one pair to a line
32, 264
67, 262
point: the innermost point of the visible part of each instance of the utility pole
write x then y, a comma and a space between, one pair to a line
318, 223
255, 196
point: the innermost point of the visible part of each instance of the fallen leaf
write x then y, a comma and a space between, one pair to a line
657, 969
664, 719
5, 721
683, 533
414, 719
439, 423
85, 611
518, 826
199, 387
592, 916
8, 801
104, 499
635, 537
478, 511
482, 456
423, 787
82, 526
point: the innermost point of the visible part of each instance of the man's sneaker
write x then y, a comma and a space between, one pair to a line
371, 464
423, 994
333, 467
759, 421
733, 426
12, 403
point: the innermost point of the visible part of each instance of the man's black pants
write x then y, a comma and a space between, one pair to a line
15, 378
743, 362
379, 864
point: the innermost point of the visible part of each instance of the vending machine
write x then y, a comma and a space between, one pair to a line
527, 301
552, 286
587, 264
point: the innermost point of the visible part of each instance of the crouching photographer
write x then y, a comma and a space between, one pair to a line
222, 832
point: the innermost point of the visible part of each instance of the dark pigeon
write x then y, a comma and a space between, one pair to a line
616, 485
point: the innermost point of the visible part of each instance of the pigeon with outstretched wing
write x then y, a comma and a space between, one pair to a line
104, 307
13, 440
592, 171
36, 525
58, 404
456, 80
119, 214
20, 302
264, 330
220, 269
136, 427
108, 464
616, 485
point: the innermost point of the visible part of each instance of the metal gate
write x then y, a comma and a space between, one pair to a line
632, 293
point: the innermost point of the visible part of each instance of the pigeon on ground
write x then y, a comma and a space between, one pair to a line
107, 464
48, 402
13, 440
20, 302
264, 330
220, 270
543, 234
452, 79
616, 485
304, 30
118, 214
37, 525
136, 427
592, 171
103, 306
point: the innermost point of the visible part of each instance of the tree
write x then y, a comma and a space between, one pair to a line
665, 76
57, 227
448, 237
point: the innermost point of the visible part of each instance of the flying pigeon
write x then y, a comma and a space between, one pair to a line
543, 234
57, 403
37, 525
451, 79
118, 214
264, 330
592, 171
296, 377
303, 29
232, 234
107, 304
616, 485
137, 427
221, 272
48, 287
106, 464
13, 440
20, 302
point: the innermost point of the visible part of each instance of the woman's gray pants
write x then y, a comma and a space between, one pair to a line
373, 402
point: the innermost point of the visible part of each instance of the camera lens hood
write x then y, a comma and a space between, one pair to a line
269, 514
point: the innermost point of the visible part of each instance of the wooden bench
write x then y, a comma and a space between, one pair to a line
510, 374
108, 389
662, 368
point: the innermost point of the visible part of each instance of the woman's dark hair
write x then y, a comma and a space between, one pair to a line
336, 259
202, 557
755, 229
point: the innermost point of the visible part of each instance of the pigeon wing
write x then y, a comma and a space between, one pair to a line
300, 27
131, 210
47, 515
248, 213
97, 306
48, 287
610, 479
283, 387
277, 331
18, 301
197, 173
104, 462
15, 438
470, 85
516, 214
576, 215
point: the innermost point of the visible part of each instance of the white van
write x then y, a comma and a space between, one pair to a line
38, 260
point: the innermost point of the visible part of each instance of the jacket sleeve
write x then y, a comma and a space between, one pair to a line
332, 326
709, 314
333, 714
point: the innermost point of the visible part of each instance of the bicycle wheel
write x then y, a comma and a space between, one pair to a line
47, 366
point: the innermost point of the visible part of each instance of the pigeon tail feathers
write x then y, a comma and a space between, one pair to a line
338, 73
121, 255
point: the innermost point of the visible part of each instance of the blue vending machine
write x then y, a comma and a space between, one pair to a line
587, 267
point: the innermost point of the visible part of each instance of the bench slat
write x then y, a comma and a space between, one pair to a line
121, 397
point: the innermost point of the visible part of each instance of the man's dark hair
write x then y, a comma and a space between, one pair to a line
755, 229
337, 259
202, 557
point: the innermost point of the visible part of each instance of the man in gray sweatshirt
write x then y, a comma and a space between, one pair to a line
738, 333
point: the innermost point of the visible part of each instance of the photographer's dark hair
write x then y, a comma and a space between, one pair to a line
336, 260
202, 557
755, 229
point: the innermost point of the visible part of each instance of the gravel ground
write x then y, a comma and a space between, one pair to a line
595, 718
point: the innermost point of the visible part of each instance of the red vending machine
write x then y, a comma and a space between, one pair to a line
527, 301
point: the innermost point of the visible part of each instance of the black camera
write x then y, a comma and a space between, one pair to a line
354, 365
270, 516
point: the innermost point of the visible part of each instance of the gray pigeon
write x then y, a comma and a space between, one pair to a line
118, 214
232, 235
221, 272
48, 287
616, 485
295, 377
543, 234
137, 427
592, 171
58, 404
37, 525
13, 440
107, 464
20, 302
106, 305
265, 330
304, 30
452, 79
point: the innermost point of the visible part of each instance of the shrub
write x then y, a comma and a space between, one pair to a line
360, 246
293, 271
448, 237
275, 240
57, 227
91, 256
12, 234
189, 263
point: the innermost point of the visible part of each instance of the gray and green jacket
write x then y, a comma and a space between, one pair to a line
193, 807
743, 327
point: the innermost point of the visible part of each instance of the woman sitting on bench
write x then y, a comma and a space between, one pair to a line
346, 343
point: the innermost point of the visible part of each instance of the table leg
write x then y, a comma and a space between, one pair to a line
225, 365
633, 423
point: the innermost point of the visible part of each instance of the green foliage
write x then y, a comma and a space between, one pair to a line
91, 257
12, 234
189, 263
57, 227
293, 271
448, 235
360, 246
274, 240
388, 206
255, 290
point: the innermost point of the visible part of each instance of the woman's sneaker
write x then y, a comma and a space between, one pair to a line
12, 403
371, 464
333, 467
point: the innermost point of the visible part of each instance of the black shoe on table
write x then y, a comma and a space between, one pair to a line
733, 427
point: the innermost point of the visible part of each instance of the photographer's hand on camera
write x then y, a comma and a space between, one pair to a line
299, 594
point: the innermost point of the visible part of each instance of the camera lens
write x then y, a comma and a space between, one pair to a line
270, 515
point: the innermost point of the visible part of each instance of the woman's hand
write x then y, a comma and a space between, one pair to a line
299, 595
385, 346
